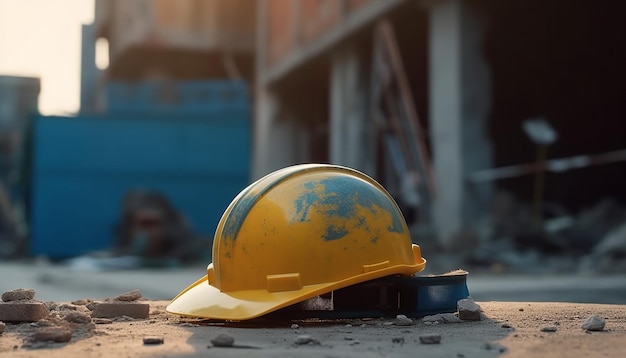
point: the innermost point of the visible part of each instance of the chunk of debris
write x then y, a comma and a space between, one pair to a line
399, 340
119, 309
153, 340
102, 321
129, 296
594, 323
58, 334
77, 317
223, 340
23, 311
18, 294
402, 320
468, 310
81, 302
295, 326
305, 339
506, 325
2, 327
549, 329
441, 318
430, 339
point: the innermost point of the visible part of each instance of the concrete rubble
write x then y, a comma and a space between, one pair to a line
70, 330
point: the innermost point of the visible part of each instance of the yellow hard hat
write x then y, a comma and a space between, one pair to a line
297, 233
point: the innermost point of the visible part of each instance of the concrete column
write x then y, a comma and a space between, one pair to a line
350, 142
459, 109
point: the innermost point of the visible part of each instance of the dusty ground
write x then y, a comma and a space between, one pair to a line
510, 329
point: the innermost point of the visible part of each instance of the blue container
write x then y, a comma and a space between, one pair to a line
83, 166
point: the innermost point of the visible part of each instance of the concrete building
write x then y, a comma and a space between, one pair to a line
420, 94
475, 71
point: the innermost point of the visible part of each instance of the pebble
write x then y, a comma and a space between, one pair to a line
594, 323
402, 320
294, 326
19, 294
77, 317
430, 339
506, 325
153, 340
549, 329
441, 318
102, 320
223, 340
468, 310
129, 296
399, 340
81, 302
305, 339
2, 327
53, 334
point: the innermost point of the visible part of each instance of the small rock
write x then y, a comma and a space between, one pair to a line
594, 323
23, 311
430, 339
468, 310
19, 294
506, 325
223, 340
77, 317
348, 338
133, 295
102, 320
119, 309
2, 327
305, 339
399, 340
46, 323
521, 310
53, 334
402, 320
294, 326
66, 307
153, 340
441, 318
355, 342
487, 346
549, 329
81, 302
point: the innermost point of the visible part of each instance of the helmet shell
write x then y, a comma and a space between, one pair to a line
302, 231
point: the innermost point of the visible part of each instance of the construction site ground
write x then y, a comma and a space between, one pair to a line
524, 316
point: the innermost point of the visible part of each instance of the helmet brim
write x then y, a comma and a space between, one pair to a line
202, 300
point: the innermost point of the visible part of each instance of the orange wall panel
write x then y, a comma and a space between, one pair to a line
279, 29
318, 17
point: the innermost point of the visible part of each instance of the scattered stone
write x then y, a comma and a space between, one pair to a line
45, 323
66, 307
305, 339
2, 327
23, 311
223, 340
129, 296
430, 339
549, 329
594, 323
468, 310
77, 317
81, 302
441, 318
119, 309
57, 334
399, 340
355, 342
102, 321
19, 294
506, 325
521, 310
348, 338
153, 340
294, 326
402, 320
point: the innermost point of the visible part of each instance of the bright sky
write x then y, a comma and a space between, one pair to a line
41, 38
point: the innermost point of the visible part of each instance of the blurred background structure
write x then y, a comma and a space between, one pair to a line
498, 125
